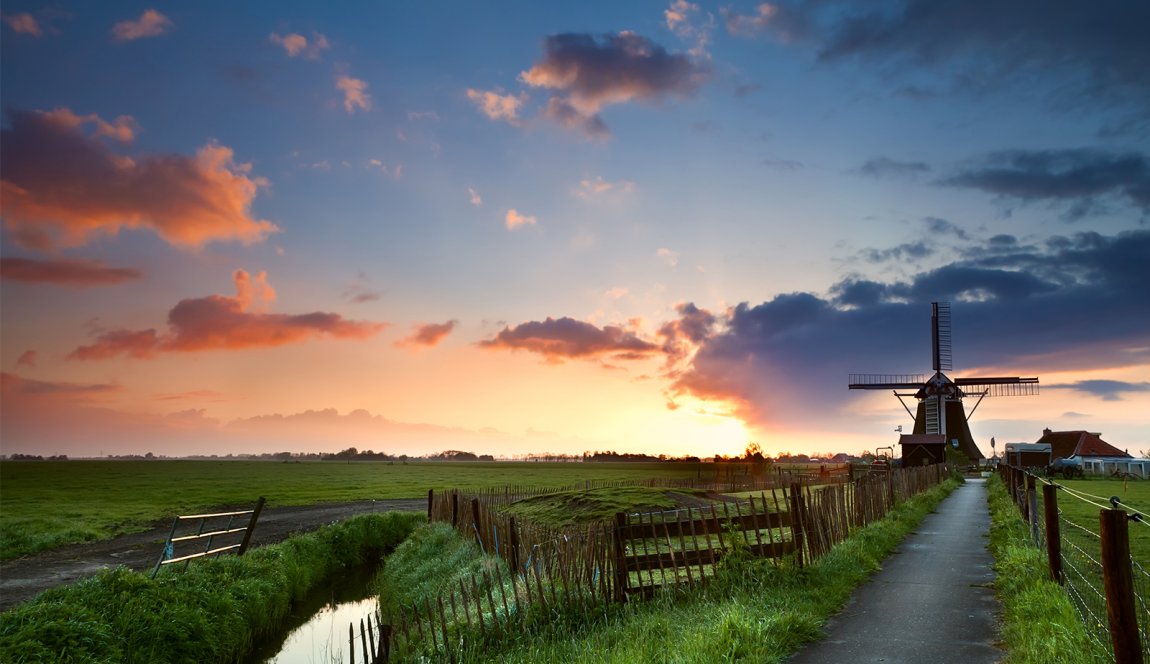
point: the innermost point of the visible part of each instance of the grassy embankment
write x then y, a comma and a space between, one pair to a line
750, 611
1039, 624
48, 504
212, 612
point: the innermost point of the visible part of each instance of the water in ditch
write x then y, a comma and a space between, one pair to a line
317, 630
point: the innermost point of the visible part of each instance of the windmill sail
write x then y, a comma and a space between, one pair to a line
940, 409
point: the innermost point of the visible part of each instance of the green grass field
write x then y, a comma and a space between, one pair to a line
48, 504
1134, 495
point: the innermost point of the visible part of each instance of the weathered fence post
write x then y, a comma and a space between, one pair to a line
796, 508
1053, 531
476, 522
1118, 580
454, 509
513, 541
1032, 508
620, 546
430, 502
251, 526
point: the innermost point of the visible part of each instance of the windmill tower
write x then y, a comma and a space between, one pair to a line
940, 410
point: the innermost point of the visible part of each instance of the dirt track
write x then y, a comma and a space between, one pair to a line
24, 578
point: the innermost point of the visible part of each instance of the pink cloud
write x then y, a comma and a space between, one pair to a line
297, 45
749, 24
427, 335
474, 197
355, 95
497, 106
23, 23
60, 186
150, 24
567, 338
514, 219
28, 359
219, 322
64, 272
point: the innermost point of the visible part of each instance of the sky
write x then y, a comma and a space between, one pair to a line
521, 227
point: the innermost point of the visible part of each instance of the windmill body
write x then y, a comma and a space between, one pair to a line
940, 412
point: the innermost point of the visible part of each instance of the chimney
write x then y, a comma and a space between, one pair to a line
1046, 431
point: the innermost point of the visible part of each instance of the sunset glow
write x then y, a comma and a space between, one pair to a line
671, 228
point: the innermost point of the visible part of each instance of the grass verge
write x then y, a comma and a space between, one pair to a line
750, 611
212, 612
1039, 623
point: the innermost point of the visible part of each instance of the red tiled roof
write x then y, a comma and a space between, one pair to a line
1065, 444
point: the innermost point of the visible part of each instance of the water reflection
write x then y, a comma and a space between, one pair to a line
324, 638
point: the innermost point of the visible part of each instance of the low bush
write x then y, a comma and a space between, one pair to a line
212, 612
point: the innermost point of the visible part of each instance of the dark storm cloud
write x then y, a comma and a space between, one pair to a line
1074, 302
1087, 53
882, 167
1107, 390
1076, 176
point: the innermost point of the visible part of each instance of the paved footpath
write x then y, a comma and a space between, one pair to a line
931, 603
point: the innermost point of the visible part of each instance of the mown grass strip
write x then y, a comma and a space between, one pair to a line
212, 612
750, 610
1039, 623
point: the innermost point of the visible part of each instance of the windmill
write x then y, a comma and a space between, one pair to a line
940, 413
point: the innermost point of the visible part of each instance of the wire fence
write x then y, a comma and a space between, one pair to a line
1091, 558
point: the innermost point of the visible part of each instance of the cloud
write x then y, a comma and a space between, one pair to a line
1107, 390
567, 338
24, 24
297, 45
514, 219
219, 322
904, 252
589, 72
150, 24
668, 256
355, 95
497, 106
883, 167
1076, 176
15, 385
473, 196
597, 186
427, 335
1081, 53
61, 186
1072, 303
65, 272
28, 359
682, 18
749, 24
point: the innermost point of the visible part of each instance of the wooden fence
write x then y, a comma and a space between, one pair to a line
1104, 583
636, 555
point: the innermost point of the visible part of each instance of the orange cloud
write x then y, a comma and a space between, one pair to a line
497, 106
557, 339
514, 219
355, 93
61, 186
218, 322
23, 23
150, 24
428, 335
65, 272
296, 44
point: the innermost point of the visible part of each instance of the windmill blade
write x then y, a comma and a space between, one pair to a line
1000, 386
885, 381
943, 359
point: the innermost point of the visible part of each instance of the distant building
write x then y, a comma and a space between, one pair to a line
1094, 455
922, 449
